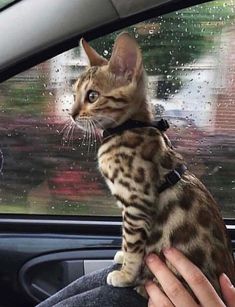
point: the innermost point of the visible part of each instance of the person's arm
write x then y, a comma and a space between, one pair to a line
175, 293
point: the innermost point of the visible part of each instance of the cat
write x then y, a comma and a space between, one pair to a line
138, 164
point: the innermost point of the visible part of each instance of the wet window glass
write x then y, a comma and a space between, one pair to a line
49, 167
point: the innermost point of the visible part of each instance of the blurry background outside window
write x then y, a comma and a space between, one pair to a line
189, 56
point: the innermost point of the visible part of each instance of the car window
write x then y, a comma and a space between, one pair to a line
4, 3
189, 55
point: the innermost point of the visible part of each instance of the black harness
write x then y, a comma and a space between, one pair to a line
162, 125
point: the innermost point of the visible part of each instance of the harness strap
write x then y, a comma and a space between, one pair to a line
172, 177
161, 125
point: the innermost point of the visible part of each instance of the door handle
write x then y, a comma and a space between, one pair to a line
95, 265
47, 278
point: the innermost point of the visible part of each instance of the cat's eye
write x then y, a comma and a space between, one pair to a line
92, 96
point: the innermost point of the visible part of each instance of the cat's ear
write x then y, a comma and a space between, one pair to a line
93, 57
126, 58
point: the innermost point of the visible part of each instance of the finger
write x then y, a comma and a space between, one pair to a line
228, 290
157, 297
176, 292
197, 281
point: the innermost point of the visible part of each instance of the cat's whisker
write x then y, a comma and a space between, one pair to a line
64, 129
107, 118
84, 138
80, 123
100, 126
95, 124
65, 135
96, 134
89, 136
86, 133
71, 134
65, 125
67, 139
92, 136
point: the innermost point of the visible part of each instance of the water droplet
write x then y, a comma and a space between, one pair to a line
105, 52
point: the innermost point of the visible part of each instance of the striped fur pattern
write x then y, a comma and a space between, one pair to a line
134, 164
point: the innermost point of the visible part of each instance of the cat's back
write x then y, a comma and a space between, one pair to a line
190, 220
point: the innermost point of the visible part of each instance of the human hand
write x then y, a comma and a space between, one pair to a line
175, 293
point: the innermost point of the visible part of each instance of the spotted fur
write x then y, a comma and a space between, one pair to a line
134, 163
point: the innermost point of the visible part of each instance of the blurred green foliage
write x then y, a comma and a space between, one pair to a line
178, 38
23, 98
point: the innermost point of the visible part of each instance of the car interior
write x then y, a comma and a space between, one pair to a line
57, 218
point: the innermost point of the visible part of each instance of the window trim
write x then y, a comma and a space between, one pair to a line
5, 7
33, 223
71, 224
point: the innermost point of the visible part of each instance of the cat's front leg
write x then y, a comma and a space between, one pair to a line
133, 246
128, 273
119, 257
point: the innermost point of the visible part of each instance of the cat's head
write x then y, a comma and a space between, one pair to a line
111, 92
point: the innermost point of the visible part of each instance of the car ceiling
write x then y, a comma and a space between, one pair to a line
127, 8
29, 27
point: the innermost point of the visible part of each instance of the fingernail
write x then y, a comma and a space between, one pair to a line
228, 281
150, 258
167, 251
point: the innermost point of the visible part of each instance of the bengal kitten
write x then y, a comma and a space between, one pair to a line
134, 163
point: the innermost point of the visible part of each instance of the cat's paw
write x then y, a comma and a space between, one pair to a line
119, 257
119, 279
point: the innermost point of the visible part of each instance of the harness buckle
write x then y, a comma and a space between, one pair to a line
162, 125
173, 177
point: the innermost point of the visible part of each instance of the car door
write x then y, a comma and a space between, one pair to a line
58, 220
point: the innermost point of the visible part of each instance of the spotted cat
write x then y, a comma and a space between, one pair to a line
163, 204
